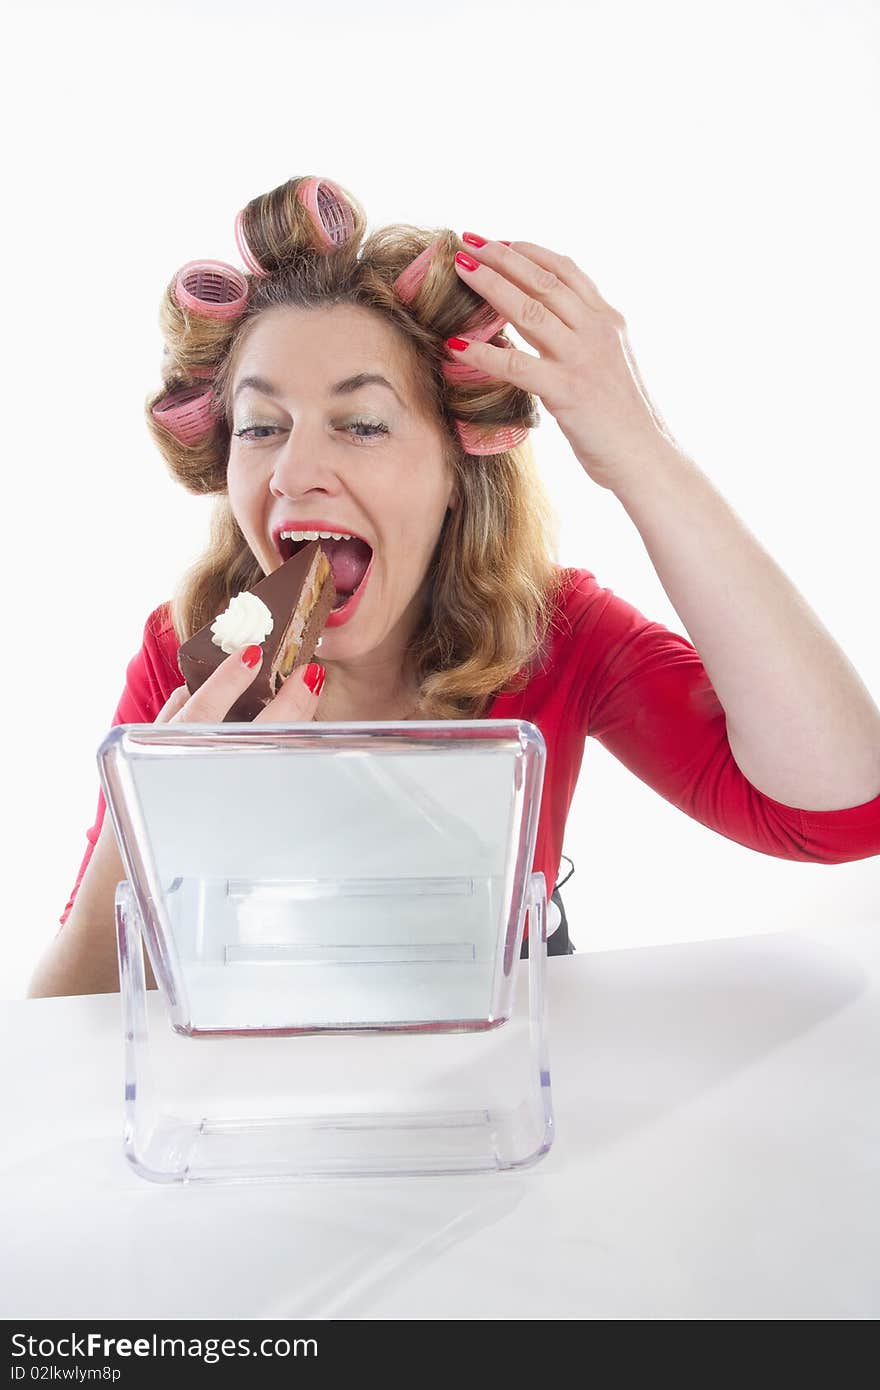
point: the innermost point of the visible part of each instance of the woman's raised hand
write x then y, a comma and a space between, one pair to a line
585, 372
294, 702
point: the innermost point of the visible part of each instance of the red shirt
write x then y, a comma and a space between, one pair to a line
638, 688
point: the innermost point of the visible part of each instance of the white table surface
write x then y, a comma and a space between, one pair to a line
717, 1156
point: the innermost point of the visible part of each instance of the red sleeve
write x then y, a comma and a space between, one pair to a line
647, 698
150, 678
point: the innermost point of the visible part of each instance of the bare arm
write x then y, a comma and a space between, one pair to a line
82, 958
802, 726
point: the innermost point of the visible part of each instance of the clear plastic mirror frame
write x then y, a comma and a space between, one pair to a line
334, 916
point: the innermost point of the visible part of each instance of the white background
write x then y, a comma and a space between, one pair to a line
712, 168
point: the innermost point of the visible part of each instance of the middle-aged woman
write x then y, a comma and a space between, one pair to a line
368, 390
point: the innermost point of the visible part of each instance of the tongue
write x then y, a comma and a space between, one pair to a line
348, 561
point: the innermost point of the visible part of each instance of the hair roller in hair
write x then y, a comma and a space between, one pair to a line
186, 412
330, 211
211, 290
245, 251
410, 279
478, 441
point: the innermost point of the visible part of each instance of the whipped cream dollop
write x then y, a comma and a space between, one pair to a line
246, 620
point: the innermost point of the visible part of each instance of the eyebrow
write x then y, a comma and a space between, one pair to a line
340, 388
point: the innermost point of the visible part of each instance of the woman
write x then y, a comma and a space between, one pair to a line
368, 389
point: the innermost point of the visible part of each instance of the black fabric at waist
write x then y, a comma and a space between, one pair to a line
559, 944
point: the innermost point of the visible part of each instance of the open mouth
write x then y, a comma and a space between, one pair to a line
349, 562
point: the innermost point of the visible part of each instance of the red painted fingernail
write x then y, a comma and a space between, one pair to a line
466, 262
505, 243
313, 676
458, 343
251, 657
472, 239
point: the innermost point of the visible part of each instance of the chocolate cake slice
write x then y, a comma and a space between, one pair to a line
299, 596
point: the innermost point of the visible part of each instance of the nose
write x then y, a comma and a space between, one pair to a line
304, 464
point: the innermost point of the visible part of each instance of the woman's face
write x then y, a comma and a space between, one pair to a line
361, 459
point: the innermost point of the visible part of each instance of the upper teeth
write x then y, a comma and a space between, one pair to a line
314, 535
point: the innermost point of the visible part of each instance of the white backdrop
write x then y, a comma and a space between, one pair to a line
708, 165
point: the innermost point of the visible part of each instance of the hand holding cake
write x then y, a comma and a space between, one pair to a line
295, 703
279, 624
280, 619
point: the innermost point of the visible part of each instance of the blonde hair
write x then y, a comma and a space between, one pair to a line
493, 580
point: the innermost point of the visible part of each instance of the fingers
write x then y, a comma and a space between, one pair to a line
568, 271
214, 699
528, 264
536, 374
297, 700
533, 317
533, 298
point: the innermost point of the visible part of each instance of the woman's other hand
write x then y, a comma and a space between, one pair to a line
585, 372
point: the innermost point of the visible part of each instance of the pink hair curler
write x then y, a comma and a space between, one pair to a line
330, 211
477, 441
211, 290
186, 412
483, 332
245, 251
409, 281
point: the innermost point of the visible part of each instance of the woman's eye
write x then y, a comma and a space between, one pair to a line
252, 431
249, 430
368, 425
